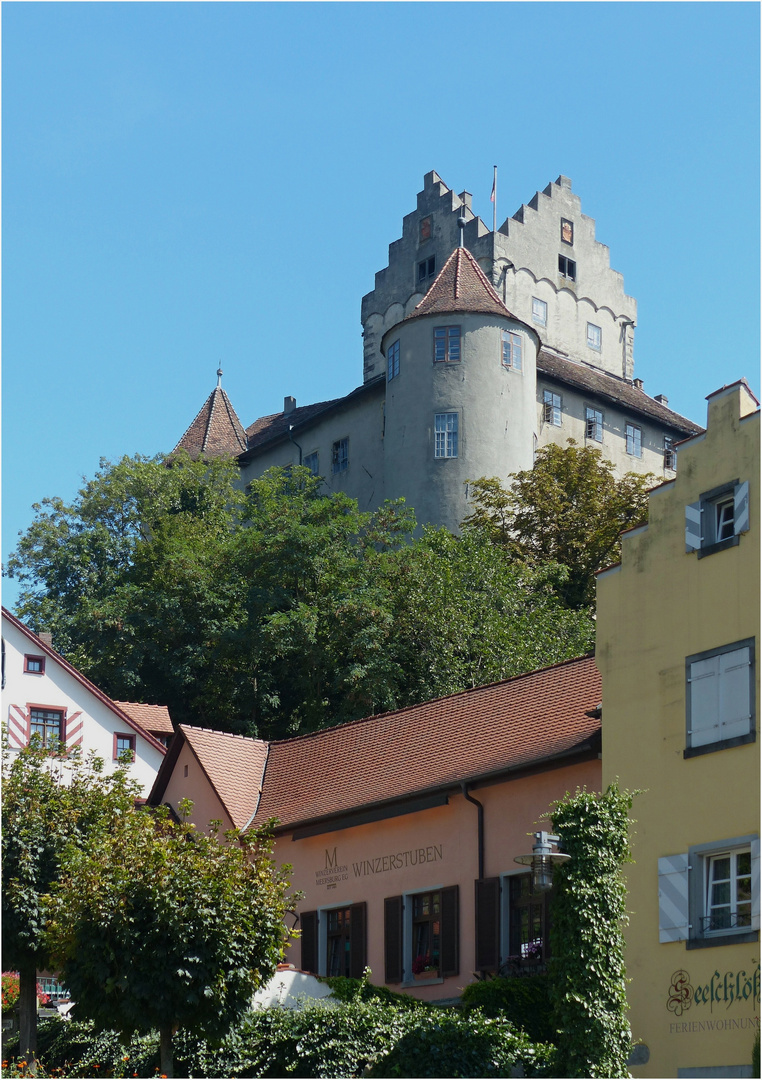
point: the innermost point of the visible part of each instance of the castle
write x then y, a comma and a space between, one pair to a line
479, 348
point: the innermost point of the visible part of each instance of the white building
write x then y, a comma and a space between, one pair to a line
44, 695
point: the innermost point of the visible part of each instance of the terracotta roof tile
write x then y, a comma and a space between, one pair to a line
216, 430
234, 765
154, 718
461, 285
614, 389
486, 730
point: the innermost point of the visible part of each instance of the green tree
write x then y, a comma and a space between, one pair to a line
155, 925
569, 509
49, 802
587, 972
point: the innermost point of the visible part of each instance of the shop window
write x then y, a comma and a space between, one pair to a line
720, 698
717, 520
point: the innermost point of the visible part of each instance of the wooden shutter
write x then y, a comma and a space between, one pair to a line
449, 954
309, 939
393, 939
741, 507
673, 898
693, 526
358, 922
487, 905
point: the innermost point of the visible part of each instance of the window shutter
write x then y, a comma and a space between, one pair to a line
735, 689
393, 939
741, 507
487, 945
704, 688
358, 922
693, 526
673, 898
755, 884
308, 920
449, 955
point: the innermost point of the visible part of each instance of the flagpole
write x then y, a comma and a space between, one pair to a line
494, 199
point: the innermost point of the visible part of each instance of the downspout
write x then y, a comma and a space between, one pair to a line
293, 440
480, 824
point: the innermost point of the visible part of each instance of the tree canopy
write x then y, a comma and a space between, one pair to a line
569, 509
279, 609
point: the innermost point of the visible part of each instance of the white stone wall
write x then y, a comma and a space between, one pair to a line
58, 689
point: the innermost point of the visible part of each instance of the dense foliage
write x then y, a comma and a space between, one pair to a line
50, 802
155, 925
587, 970
281, 609
569, 509
523, 1000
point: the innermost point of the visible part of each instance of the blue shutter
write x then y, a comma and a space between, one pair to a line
693, 526
673, 898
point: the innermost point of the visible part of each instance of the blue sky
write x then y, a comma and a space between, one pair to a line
188, 184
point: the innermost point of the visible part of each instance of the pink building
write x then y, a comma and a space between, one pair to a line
402, 828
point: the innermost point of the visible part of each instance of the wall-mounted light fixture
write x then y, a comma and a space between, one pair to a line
542, 860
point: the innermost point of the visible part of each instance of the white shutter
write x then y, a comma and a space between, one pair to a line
741, 507
693, 526
735, 713
704, 689
673, 898
755, 884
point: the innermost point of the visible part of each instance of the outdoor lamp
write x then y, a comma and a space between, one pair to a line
541, 860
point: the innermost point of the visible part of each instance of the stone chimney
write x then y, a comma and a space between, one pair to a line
638, 384
662, 399
289, 404
46, 638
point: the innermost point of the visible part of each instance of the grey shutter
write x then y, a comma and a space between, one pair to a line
308, 922
358, 922
487, 904
393, 939
755, 884
673, 898
449, 943
741, 508
693, 526
735, 691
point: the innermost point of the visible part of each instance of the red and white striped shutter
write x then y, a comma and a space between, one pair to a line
18, 726
72, 730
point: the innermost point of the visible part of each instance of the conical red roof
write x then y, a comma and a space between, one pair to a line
461, 285
216, 431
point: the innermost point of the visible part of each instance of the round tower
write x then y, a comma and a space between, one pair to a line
460, 395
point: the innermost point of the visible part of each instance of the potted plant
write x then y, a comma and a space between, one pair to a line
423, 968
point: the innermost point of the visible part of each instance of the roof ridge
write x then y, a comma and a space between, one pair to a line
216, 731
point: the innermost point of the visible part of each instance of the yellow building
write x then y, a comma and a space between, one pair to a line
677, 633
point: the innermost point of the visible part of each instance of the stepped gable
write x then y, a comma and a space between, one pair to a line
614, 389
484, 732
154, 718
216, 431
461, 285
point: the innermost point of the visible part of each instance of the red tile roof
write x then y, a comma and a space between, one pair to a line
461, 285
233, 764
505, 726
154, 718
216, 430
614, 389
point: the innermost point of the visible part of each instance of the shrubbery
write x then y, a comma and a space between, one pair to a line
524, 1001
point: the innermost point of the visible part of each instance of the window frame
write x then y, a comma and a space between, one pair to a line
542, 320
550, 410
340, 456
735, 740
567, 268
670, 453
700, 519
314, 940
398, 949
34, 658
446, 336
594, 341
451, 437
596, 420
425, 269
699, 862
393, 360
306, 459
512, 351
54, 709
633, 436
131, 739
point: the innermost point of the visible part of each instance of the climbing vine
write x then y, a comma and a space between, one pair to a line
587, 970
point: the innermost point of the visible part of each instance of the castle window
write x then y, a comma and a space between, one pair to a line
312, 462
567, 268
511, 350
593, 424
124, 744
34, 665
446, 344
340, 456
47, 724
539, 311
634, 440
551, 408
393, 361
567, 231
669, 452
593, 337
426, 268
446, 435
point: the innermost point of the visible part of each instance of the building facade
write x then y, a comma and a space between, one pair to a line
402, 829
45, 696
677, 632
479, 348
